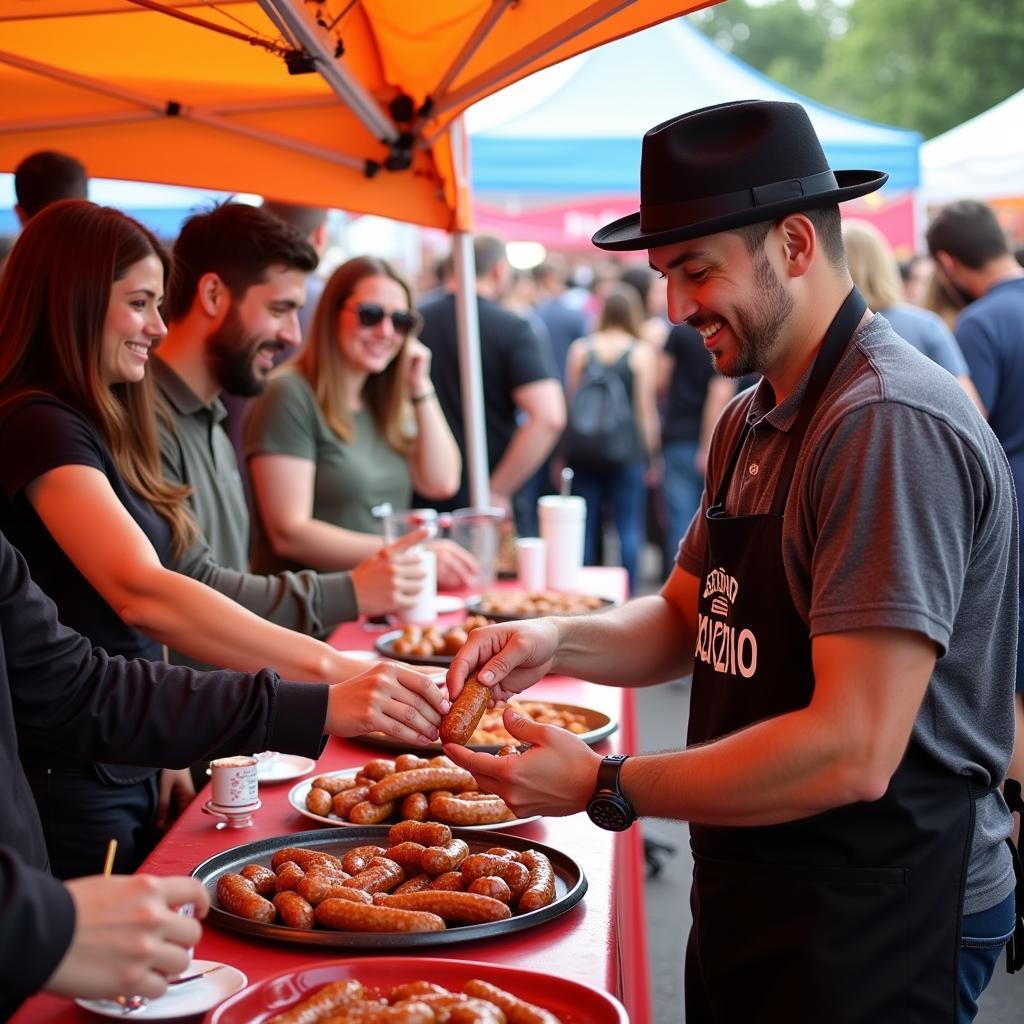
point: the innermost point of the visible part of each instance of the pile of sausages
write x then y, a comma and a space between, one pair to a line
424, 881
409, 787
414, 1002
523, 604
432, 642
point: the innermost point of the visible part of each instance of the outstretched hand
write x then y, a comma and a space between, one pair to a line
392, 578
508, 657
128, 937
390, 698
556, 776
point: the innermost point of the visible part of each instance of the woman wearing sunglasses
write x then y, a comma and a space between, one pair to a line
83, 498
352, 423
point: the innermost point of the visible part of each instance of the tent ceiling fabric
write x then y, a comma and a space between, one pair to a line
198, 93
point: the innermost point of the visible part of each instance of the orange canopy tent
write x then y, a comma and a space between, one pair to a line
352, 104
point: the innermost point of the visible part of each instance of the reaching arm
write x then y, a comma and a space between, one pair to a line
283, 488
435, 463
543, 405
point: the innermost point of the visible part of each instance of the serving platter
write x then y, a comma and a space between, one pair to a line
480, 605
570, 887
298, 793
599, 727
385, 646
570, 1001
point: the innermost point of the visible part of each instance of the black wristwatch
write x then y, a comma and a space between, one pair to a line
608, 807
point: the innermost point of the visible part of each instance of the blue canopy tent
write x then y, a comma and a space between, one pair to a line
583, 136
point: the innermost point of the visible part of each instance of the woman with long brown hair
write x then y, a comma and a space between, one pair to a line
352, 423
84, 500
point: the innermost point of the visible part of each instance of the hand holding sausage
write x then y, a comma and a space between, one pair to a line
128, 935
508, 657
555, 776
394, 699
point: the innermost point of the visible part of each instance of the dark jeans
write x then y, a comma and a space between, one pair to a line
624, 489
983, 937
81, 814
682, 486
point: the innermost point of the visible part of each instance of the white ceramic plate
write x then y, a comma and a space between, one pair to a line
180, 1000
446, 603
274, 767
297, 798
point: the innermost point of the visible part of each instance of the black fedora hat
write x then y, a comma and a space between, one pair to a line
727, 166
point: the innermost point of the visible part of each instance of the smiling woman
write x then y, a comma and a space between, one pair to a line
84, 499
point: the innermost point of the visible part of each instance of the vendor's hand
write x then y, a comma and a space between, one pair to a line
417, 367
128, 935
402, 702
176, 792
508, 656
456, 567
392, 578
556, 776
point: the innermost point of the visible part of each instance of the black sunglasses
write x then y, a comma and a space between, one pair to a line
370, 315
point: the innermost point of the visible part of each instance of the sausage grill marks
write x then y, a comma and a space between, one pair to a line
425, 880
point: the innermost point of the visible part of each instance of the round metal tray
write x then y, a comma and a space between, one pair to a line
474, 606
386, 645
570, 887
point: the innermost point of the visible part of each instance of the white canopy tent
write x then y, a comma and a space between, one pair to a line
983, 158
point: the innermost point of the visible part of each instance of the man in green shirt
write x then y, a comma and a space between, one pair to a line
232, 306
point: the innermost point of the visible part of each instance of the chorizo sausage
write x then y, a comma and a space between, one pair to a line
369, 813
347, 916
429, 833
380, 875
454, 810
517, 1010
303, 857
334, 784
357, 859
450, 880
264, 881
406, 762
419, 780
344, 802
237, 896
415, 884
515, 874
294, 910
319, 801
452, 907
461, 721
415, 807
436, 860
408, 854
491, 885
321, 1004
541, 888
378, 768
289, 874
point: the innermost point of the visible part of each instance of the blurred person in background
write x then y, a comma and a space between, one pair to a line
564, 322
616, 346
350, 424
87, 505
524, 406
974, 261
238, 285
46, 177
875, 272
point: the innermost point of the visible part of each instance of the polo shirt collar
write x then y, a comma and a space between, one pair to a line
180, 395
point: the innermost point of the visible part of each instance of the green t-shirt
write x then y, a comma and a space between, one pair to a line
351, 476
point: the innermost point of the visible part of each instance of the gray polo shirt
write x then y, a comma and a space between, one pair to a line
196, 451
901, 514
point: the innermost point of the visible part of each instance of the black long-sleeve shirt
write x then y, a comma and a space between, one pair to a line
56, 687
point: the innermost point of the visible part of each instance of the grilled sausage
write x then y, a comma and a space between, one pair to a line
321, 1004
453, 907
461, 721
264, 881
517, 1010
294, 910
346, 916
541, 888
238, 896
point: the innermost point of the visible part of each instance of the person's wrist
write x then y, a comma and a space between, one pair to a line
422, 396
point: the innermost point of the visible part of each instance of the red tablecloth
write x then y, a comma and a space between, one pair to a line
600, 942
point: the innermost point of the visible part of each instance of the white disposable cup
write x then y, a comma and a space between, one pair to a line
424, 611
562, 522
531, 558
186, 910
234, 781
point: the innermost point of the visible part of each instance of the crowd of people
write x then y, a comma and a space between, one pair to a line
195, 440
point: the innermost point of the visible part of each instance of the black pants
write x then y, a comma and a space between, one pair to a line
81, 813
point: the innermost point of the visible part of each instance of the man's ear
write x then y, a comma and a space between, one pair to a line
800, 243
211, 294
948, 263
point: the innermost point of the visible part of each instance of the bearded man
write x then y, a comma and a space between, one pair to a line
238, 284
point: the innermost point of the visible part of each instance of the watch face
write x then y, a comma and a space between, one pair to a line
609, 812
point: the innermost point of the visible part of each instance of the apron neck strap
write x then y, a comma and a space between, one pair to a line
833, 346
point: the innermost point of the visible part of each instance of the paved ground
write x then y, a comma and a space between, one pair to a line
662, 712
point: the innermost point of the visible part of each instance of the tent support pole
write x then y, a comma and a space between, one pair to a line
470, 373
346, 86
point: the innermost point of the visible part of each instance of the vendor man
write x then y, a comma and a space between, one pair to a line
846, 600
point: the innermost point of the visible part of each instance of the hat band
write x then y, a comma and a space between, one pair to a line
692, 211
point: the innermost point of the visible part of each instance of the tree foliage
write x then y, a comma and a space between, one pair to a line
922, 64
